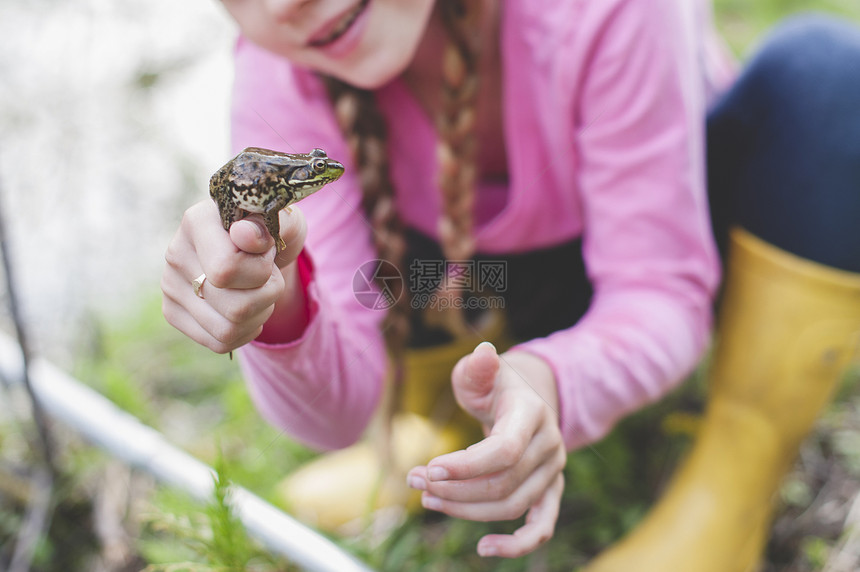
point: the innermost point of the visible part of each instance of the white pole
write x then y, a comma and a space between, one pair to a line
124, 436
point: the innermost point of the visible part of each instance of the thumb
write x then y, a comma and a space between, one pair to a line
251, 235
474, 381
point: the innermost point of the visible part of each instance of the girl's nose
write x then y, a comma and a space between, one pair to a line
284, 10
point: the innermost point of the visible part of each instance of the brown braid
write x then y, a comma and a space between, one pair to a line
364, 127
457, 147
456, 151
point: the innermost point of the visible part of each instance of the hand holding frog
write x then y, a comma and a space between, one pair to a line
245, 281
517, 468
239, 284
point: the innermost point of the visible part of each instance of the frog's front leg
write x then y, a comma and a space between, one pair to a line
270, 217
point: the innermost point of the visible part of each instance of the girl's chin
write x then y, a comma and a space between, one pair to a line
371, 73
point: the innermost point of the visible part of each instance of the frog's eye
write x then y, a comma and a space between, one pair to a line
319, 165
318, 153
301, 174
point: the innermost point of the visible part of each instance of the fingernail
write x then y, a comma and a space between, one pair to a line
417, 483
487, 344
437, 474
259, 230
487, 550
430, 502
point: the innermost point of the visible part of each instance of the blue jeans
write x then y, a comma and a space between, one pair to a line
784, 144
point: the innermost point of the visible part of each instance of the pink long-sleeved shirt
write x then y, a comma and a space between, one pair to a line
604, 104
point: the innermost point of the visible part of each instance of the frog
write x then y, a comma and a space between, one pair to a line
263, 181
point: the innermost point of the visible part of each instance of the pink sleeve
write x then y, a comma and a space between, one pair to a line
323, 387
647, 241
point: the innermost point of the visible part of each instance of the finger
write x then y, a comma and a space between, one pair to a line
539, 527
181, 257
531, 490
503, 448
183, 321
251, 235
178, 317
416, 478
225, 265
235, 305
491, 455
240, 306
229, 317
232, 335
213, 331
498, 486
473, 380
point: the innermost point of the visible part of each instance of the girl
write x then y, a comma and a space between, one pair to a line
587, 117
560, 141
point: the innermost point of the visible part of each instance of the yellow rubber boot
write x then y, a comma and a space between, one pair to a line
344, 491
788, 329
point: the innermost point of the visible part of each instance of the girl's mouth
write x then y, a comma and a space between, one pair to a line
332, 32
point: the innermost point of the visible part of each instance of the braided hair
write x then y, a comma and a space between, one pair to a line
364, 128
455, 125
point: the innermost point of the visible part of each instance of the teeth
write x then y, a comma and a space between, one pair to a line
343, 26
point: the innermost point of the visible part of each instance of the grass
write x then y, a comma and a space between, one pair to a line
198, 399
743, 23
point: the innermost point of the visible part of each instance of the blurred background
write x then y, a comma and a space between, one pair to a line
112, 114
112, 117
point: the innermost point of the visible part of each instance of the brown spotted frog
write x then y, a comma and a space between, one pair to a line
263, 181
